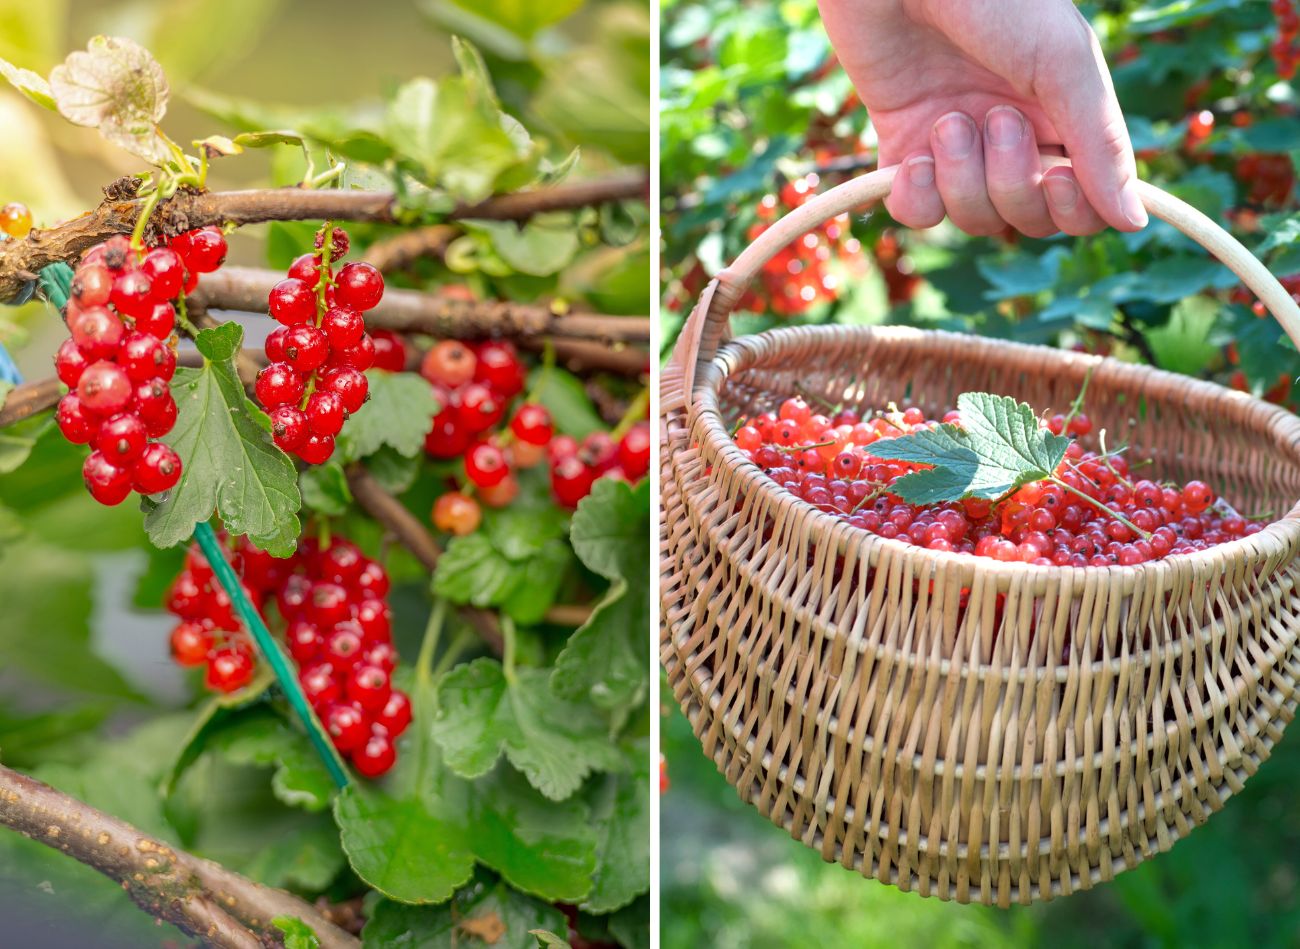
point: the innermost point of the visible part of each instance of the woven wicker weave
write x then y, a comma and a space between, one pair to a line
965, 752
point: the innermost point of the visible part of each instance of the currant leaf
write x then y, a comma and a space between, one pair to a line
397, 415
620, 811
998, 447
297, 934
230, 465
555, 743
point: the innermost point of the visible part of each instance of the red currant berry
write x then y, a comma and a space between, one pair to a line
325, 413
307, 269
390, 350
158, 469
343, 326
153, 402
456, 513
359, 285
341, 562
369, 687
305, 347
449, 363
97, 332
159, 321
166, 273
485, 465
92, 285
396, 713
279, 384
122, 439
351, 386
76, 426
343, 647
115, 253
69, 363
634, 451
372, 581
479, 409
143, 357
380, 654
374, 619
203, 250
532, 424
190, 643
319, 685
501, 494
447, 439
230, 668
292, 302
274, 344
288, 427
104, 388
361, 356
107, 483
317, 449
328, 604
347, 725
498, 366
1197, 497
571, 481
375, 757
132, 294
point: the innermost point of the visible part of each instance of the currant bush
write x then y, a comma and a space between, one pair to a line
827, 461
332, 603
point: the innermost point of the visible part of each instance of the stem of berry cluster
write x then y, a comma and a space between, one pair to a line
508, 655
270, 649
636, 411
1077, 405
1145, 535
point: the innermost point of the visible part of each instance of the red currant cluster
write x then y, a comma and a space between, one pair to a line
1284, 49
474, 387
338, 627
901, 282
1269, 178
121, 356
318, 357
1091, 522
796, 278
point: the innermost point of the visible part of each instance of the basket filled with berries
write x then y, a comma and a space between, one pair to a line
987, 621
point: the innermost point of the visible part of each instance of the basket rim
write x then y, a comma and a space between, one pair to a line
703, 409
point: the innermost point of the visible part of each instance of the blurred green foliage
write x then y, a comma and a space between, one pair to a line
752, 100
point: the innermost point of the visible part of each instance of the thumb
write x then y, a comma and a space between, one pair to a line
1074, 89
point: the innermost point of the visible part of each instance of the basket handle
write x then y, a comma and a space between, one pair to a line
707, 325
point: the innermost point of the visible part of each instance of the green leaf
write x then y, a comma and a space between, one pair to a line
30, 84
17, 441
1183, 344
402, 847
620, 811
230, 464
605, 660
520, 17
516, 563
554, 742
325, 489
212, 718
1281, 233
258, 736
399, 413
297, 934
547, 938
394, 471
539, 247
115, 86
565, 397
999, 447
486, 911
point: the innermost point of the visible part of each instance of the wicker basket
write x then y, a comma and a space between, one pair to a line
969, 752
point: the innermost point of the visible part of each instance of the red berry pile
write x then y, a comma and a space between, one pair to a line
121, 355
1284, 49
1269, 178
319, 355
338, 628
828, 463
796, 278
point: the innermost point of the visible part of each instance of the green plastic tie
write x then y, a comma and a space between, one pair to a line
56, 282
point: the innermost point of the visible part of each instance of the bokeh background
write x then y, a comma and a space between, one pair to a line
755, 115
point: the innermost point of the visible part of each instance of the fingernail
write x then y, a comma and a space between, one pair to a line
1004, 126
1061, 192
920, 171
1131, 204
956, 133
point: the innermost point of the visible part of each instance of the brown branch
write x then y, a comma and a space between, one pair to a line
198, 896
402, 250
408, 530
409, 311
29, 398
568, 614
21, 260
582, 355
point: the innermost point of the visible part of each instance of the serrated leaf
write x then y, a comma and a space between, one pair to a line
398, 414
231, 466
998, 447
260, 737
605, 659
486, 911
325, 489
117, 87
620, 811
215, 714
297, 934
554, 742
1281, 233
30, 84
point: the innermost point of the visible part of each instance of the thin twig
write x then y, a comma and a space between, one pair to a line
246, 288
402, 250
198, 896
29, 398
21, 260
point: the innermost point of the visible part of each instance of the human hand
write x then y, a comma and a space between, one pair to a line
964, 94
